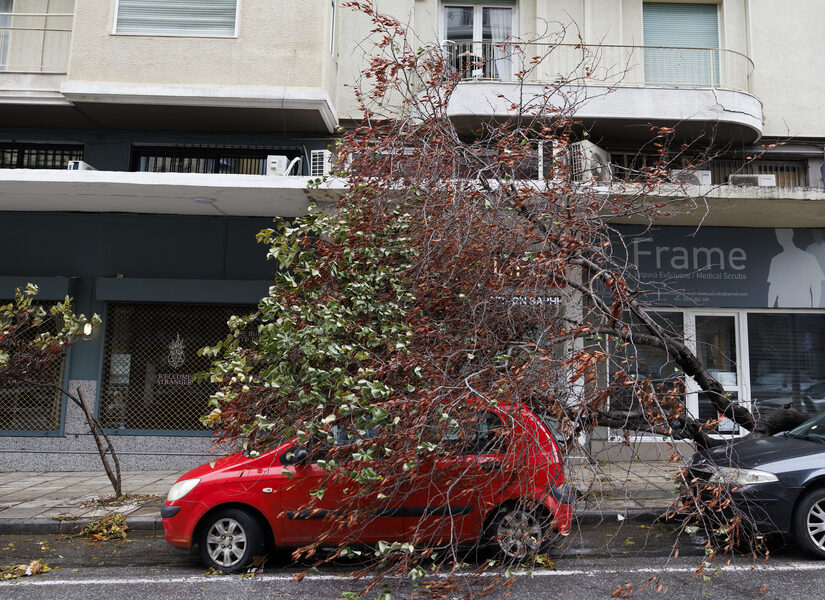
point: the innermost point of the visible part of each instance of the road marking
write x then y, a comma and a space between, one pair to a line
197, 579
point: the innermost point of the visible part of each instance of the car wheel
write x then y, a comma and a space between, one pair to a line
230, 539
809, 523
517, 533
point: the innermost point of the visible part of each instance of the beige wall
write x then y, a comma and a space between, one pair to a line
788, 48
287, 46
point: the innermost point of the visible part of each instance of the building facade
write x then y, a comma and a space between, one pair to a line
189, 124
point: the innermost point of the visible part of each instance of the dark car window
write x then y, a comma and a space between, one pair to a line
482, 434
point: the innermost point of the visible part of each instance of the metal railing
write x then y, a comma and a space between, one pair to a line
35, 42
605, 64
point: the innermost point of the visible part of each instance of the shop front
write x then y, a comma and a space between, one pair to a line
749, 302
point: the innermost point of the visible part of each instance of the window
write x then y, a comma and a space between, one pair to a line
150, 360
32, 408
5, 23
787, 361
176, 17
14, 155
332, 28
477, 37
685, 43
188, 159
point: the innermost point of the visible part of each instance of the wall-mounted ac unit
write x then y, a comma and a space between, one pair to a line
588, 162
758, 180
79, 165
690, 177
278, 165
320, 163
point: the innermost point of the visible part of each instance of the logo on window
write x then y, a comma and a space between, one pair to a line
176, 356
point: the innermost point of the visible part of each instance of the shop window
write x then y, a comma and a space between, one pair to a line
641, 362
177, 17
787, 361
33, 409
150, 363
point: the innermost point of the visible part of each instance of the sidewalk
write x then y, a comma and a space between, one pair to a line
35, 503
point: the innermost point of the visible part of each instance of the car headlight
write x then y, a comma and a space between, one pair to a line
733, 476
181, 488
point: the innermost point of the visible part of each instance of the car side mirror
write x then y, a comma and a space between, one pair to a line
300, 456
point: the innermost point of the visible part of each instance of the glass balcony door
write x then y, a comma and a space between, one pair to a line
476, 37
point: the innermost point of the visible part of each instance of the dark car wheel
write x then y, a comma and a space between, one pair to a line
230, 539
517, 533
809, 523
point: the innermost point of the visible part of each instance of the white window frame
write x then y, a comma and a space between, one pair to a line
332, 28
477, 18
234, 34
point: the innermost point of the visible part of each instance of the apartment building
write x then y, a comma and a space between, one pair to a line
144, 142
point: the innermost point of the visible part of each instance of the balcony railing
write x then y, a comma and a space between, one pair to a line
601, 64
35, 42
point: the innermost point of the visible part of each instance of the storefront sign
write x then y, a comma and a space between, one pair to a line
728, 267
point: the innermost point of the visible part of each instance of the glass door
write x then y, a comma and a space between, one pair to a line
477, 40
718, 346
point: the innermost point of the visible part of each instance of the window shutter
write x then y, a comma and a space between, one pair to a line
681, 25
177, 17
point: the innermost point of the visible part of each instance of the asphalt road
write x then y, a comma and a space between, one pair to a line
593, 565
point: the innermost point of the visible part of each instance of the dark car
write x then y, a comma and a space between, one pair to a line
777, 483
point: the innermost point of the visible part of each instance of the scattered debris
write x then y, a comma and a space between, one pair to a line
64, 517
257, 567
110, 527
26, 570
213, 571
107, 501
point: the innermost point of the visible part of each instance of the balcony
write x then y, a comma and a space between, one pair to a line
612, 87
34, 56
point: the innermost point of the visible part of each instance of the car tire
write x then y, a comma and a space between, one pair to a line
230, 539
809, 523
517, 532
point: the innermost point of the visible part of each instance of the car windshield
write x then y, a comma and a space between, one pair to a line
813, 428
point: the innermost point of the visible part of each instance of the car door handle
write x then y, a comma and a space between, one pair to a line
267, 490
491, 465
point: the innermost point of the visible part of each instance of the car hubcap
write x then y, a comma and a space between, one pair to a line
226, 542
519, 534
816, 524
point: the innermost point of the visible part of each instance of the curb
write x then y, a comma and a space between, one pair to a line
150, 523
636, 515
41, 526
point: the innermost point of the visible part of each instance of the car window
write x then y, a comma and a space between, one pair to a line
814, 428
480, 434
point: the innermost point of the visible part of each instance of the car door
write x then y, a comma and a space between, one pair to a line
315, 505
449, 494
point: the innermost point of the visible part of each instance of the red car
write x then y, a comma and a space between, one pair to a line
503, 490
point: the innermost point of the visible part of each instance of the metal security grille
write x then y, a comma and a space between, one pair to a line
789, 173
34, 408
150, 363
38, 156
187, 159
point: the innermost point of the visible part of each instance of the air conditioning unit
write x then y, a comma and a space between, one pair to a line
761, 180
79, 165
278, 165
320, 163
588, 162
690, 177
